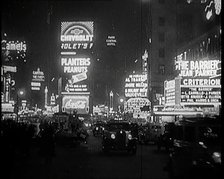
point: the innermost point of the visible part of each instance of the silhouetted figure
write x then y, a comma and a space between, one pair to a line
47, 144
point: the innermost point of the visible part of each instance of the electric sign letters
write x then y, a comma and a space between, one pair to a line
136, 85
79, 103
76, 39
76, 35
169, 91
200, 81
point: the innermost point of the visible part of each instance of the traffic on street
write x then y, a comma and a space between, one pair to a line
114, 89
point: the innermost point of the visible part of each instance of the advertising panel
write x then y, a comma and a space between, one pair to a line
76, 46
136, 85
200, 80
80, 103
38, 75
76, 35
134, 105
169, 92
13, 49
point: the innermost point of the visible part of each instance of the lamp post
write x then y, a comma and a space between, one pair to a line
121, 100
20, 94
111, 101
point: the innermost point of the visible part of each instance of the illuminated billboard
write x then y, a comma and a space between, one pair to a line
75, 65
76, 40
136, 85
13, 49
80, 103
134, 105
170, 92
76, 35
111, 40
200, 80
38, 75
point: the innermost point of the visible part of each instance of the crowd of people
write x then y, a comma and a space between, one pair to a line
18, 137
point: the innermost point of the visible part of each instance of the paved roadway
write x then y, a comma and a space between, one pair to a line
88, 161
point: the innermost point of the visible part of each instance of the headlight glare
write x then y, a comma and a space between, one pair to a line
112, 136
129, 136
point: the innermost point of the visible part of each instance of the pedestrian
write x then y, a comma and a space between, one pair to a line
47, 144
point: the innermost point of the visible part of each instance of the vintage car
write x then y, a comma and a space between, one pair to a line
149, 133
98, 128
197, 148
165, 140
119, 135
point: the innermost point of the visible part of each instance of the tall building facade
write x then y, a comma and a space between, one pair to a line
172, 24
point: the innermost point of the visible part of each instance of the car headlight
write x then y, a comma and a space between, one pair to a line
112, 136
216, 157
129, 136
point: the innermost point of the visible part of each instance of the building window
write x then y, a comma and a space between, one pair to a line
161, 21
161, 52
162, 69
161, 36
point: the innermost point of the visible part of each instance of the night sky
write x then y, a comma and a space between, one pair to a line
28, 20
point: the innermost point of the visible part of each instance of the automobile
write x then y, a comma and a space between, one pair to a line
98, 128
119, 135
150, 133
196, 149
165, 140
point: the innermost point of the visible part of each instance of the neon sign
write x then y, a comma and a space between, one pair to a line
79, 103
134, 105
76, 35
75, 65
200, 68
213, 7
169, 91
201, 82
111, 41
136, 85
38, 75
14, 49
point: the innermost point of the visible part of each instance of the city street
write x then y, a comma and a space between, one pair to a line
88, 161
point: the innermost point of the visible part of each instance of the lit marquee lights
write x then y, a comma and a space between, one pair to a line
200, 68
136, 85
76, 35
75, 65
14, 49
213, 7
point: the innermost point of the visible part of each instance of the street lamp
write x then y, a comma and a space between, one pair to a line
121, 100
111, 101
20, 94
